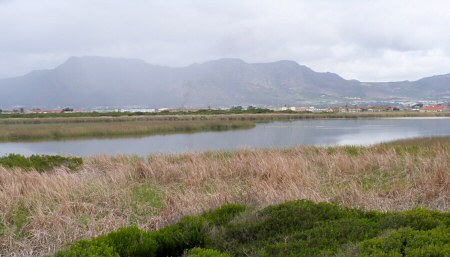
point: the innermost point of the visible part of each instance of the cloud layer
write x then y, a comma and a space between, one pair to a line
367, 40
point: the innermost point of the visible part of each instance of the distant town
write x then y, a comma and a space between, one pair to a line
416, 107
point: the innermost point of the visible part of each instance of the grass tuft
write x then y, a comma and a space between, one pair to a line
40, 163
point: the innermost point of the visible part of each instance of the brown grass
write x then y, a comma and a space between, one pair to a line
62, 128
41, 212
115, 128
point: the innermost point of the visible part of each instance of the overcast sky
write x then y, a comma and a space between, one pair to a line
368, 40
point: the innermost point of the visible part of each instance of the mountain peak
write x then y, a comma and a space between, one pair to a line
225, 61
99, 61
287, 62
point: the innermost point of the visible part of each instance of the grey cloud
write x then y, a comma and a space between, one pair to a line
367, 40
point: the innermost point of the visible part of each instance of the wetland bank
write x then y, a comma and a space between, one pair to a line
44, 210
144, 135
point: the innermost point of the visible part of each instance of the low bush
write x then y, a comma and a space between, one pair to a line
190, 232
297, 228
126, 242
408, 242
89, 248
40, 163
200, 252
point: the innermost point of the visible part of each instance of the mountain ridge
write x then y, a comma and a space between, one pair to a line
90, 81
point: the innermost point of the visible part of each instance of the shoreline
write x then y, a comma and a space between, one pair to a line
72, 128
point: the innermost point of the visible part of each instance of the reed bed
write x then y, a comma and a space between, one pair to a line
53, 130
41, 212
201, 115
61, 128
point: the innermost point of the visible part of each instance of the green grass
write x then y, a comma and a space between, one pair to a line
296, 228
146, 201
20, 218
40, 163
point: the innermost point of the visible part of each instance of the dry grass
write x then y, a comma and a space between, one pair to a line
59, 128
41, 212
98, 129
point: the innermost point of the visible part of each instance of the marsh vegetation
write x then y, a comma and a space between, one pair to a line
76, 126
43, 211
296, 228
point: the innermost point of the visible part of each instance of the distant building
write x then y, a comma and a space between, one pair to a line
302, 109
355, 108
183, 109
143, 110
434, 108
44, 111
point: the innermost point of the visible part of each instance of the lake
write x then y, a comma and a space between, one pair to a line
264, 135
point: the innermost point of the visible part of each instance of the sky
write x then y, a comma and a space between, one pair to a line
368, 40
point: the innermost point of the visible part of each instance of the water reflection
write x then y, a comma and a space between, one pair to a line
277, 134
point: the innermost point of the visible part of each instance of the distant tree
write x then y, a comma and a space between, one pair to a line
236, 108
67, 109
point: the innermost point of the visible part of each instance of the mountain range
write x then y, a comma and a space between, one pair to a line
116, 82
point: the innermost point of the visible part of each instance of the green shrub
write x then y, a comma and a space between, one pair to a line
296, 228
303, 228
40, 163
128, 242
224, 214
419, 218
200, 252
86, 248
408, 242
190, 232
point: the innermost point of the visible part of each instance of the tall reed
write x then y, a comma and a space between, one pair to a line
40, 212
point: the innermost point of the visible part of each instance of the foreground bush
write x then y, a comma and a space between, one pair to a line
40, 163
199, 252
297, 228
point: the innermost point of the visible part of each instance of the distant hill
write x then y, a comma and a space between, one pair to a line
104, 81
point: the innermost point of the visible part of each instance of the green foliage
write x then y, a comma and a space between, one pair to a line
408, 242
128, 242
352, 150
297, 228
419, 219
40, 163
125, 242
200, 252
410, 149
86, 248
145, 202
224, 214
19, 218
190, 232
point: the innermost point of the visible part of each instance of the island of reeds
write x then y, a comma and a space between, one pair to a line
69, 126
384, 200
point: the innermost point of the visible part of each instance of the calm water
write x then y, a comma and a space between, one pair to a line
277, 134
